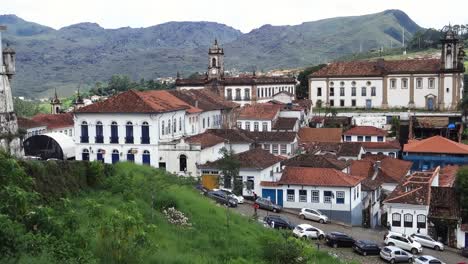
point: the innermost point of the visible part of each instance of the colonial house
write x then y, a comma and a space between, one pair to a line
413, 83
244, 90
435, 151
31, 127
57, 123
333, 192
277, 143
256, 166
374, 140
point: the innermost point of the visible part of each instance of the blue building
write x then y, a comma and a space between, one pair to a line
435, 151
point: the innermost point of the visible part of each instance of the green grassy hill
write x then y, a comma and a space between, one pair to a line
74, 212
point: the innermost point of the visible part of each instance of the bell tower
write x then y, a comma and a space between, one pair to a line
215, 62
451, 49
56, 105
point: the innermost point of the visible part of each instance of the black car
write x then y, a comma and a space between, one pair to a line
366, 247
464, 252
222, 198
267, 205
337, 239
278, 222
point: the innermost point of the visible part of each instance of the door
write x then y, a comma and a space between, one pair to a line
100, 157
368, 104
269, 194
115, 158
280, 197
312, 233
466, 239
430, 103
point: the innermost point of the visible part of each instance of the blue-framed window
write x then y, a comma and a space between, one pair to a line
340, 197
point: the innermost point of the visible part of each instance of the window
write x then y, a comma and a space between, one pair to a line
319, 91
404, 83
130, 156
266, 147
238, 94
359, 138
353, 102
373, 91
332, 83
368, 138
275, 148
182, 162
145, 133
100, 155
327, 196
163, 128
180, 123
255, 126
315, 196
363, 91
448, 90
84, 132
421, 221
85, 154
419, 83
368, 83
341, 91
332, 103
431, 83
264, 126
146, 157
290, 195
392, 84
396, 219
380, 138
332, 91
168, 129
114, 133
303, 196
247, 126
341, 102
246, 94
203, 123
99, 133
353, 91
340, 197
284, 149
207, 123
115, 156
348, 138
239, 124
229, 94
408, 220
129, 133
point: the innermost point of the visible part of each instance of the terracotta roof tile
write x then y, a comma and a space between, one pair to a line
55, 121
271, 136
232, 135
285, 123
343, 149
318, 177
388, 145
259, 112
206, 140
436, 144
256, 158
242, 80
448, 175
314, 135
26, 123
203, 99
391, 170
365, 131
315, 161
269, 184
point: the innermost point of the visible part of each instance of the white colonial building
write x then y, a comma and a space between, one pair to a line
373, 140
417, 83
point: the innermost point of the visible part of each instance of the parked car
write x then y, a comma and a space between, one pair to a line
425, 259
403, 241
427, 241
464, 252
267, 205
337, 239
308, 231
239, 198
313, 214
366, 247
395, 255
278, 222
222, 198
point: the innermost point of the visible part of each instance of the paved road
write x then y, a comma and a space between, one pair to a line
447, 256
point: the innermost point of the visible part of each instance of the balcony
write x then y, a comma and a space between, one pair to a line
114, 140
145, 140
84, 139
99, 139
129, 140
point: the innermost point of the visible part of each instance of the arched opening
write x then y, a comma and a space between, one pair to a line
57, 109
131, 155
146, 157
85, 154
182, 162
213, 62
430, 103
238, 94
114, 133
84, 132
115, 156
99, 133
100, 155
129, 133
145, 139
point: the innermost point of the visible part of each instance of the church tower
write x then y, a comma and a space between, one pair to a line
216, 61
9, 137
56, 105
78, 102
452, 50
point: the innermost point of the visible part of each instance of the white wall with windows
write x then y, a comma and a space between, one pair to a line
268, 91
209, 120
286, 149
241, 94
254, 124
359, 138
407, 218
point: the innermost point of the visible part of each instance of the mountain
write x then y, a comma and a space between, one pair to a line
86, 53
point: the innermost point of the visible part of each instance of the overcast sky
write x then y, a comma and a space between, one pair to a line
240, 14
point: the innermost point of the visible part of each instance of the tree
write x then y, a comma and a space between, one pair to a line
25, 108
302, 90
229, 167
461, 186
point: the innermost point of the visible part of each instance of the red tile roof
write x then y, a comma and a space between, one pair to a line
26, 123
203, 99
271, 136
318, 177
269, 184
315, 135
388, 145
55, 121
448, 175
315, 161
242, 80
365, 131
256, 158
285, 123
378, 68
140, 102
444, 204
232, 135
259, 112
205, 139
391, 170
436, 144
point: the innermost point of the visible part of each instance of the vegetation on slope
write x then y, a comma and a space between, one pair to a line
75, 212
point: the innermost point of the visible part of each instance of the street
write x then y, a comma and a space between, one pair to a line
447, 256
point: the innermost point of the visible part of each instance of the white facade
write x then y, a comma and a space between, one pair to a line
286, 149
405, 218
33, 131
255, 124
363, 138
69, 131
461, 238
375, 121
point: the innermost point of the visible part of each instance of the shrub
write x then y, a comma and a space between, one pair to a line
95, 174
176, 217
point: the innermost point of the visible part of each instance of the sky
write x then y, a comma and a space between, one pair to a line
244, 15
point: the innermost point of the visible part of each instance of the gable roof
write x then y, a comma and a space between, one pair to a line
365, 131
231, 135
26, 123
318, 177
314, 135
436, 144
387, 145
270, 136
54, 121
390, 170
259, 112
140, 102
256, 158
285, 123
205, 139
343, 149
315, 161
448, 175
203, 99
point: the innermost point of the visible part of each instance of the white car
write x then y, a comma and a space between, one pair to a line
403, 241
308, 231
239, 198
313, 214
395, 255
425, 259
427, 241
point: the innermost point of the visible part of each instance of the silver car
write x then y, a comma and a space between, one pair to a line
427, 241
395, 255
425, 259
313, 214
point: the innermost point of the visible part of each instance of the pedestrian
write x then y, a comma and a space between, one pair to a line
255, 196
